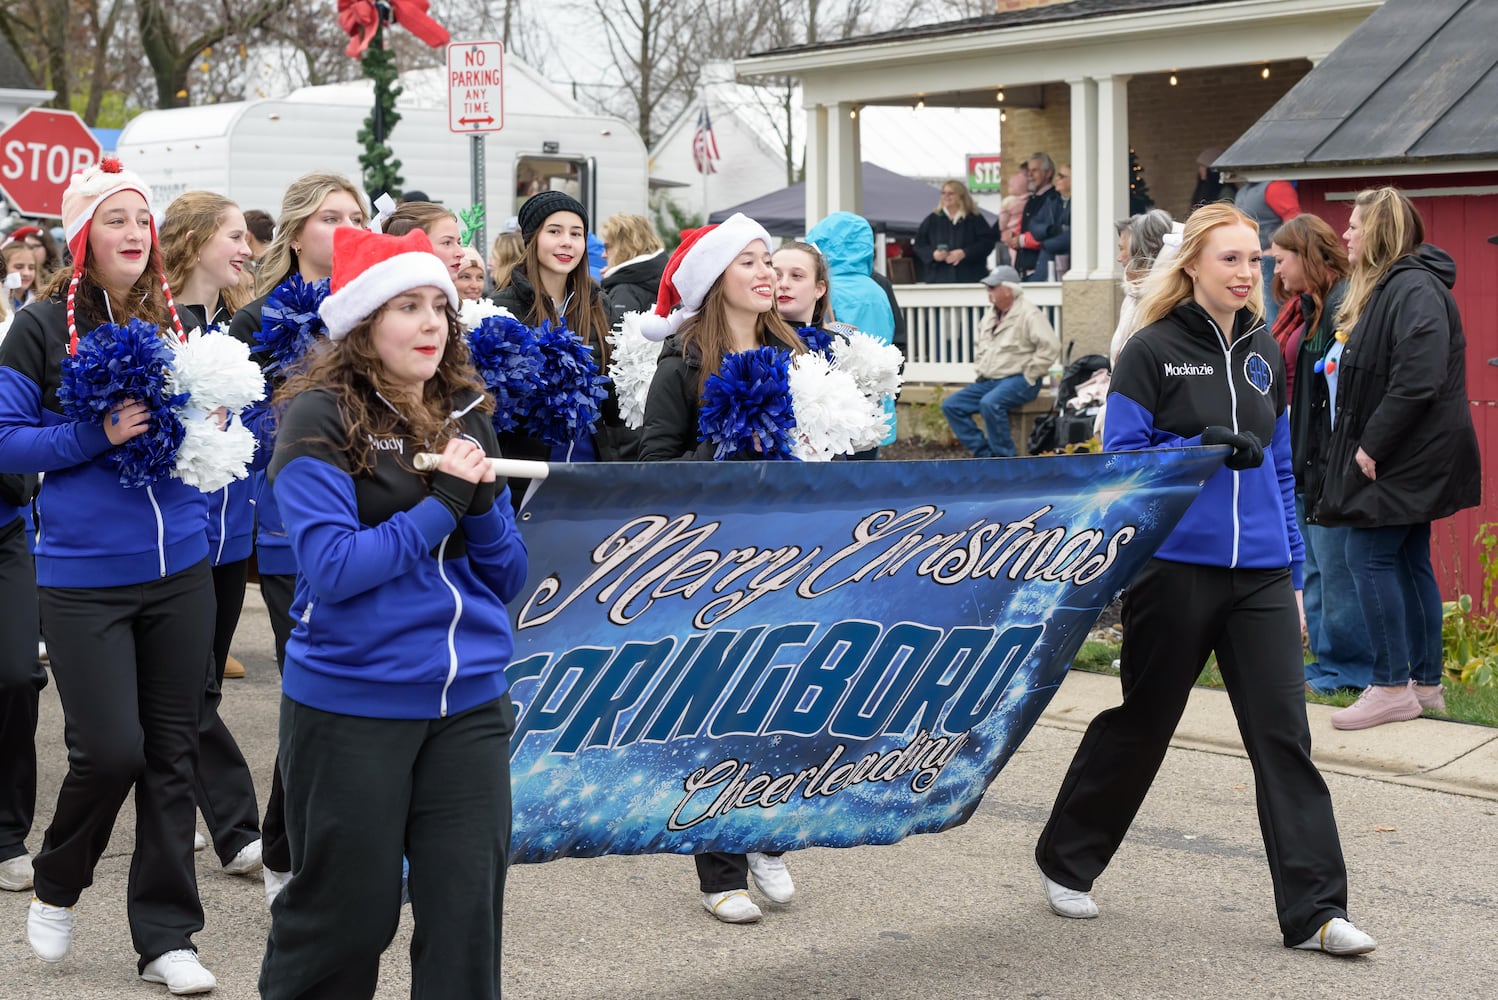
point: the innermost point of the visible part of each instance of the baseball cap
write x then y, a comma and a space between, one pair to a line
1003, 274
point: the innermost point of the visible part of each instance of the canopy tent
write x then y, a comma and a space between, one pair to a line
893, 203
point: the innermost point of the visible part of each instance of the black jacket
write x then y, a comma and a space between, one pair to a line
634, 287
1041, 205
1310, 406
974, 234
671, 407
1402, 398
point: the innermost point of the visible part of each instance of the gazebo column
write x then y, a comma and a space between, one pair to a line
844, 174
1112, 168
816, 163
1084, 178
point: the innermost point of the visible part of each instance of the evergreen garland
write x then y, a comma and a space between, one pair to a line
381, 168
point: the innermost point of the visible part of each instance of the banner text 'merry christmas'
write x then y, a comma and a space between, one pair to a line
654, 557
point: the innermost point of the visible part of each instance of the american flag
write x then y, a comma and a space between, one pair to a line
705, 145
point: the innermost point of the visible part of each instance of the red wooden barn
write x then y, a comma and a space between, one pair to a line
1409, 99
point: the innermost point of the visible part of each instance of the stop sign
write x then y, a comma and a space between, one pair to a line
39, 153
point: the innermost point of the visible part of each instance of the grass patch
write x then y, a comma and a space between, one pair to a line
1464, 703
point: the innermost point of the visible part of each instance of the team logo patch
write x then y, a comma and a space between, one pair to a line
1258, 372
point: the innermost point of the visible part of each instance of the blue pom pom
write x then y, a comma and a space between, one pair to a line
748, 399
507, 357
114, 363
567, 387
817, 341
290, 326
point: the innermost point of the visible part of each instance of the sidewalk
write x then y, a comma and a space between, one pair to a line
1454, 757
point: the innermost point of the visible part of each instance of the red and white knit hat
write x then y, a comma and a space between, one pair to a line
370, 269
86, 191
699, 261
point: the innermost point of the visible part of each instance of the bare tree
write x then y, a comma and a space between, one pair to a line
651, 46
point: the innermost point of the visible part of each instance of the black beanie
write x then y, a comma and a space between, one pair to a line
538, 208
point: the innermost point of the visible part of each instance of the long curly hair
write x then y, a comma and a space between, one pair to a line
1323, 260
351, 369
1169, 286
192, 220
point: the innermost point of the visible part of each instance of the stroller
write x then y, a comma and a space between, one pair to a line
1068, 425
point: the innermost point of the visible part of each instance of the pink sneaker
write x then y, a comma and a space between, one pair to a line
1431, 697
1377, 705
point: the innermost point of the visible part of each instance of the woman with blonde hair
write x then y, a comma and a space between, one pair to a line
1310, 278
1403, 452
954, 241
314, 207
507, 251
636, 260
205, 251
1202, 370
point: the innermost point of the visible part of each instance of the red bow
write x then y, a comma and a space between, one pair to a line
360, 20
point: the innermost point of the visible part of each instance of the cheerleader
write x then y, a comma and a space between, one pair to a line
125, 592
724, 281
204, 249
22, 678
395, 721
552, 283
18, 264
440, 225
314, 207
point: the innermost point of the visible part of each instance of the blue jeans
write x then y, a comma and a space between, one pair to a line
1334, 617
993, 398
1401, 602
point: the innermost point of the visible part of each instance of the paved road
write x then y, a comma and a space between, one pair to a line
1187, 906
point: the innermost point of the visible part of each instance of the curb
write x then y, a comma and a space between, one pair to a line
1453, 757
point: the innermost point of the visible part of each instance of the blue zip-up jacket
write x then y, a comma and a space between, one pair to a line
91, 531
231, 510
1179, 376
400, 605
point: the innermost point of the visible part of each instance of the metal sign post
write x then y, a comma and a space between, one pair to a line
476, 105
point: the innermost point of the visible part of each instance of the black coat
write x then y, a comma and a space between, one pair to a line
1043, 205
671, 407
1310, 406
634, 287
1402, 398
973, 234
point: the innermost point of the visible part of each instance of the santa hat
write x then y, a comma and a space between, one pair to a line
698, 262
370, 269
86, 191
19, 234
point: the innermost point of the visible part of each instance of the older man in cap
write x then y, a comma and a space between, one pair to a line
1012, 350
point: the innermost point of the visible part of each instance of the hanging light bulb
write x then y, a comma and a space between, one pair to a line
853, 113
920, 102
1003, 117
1000, 96
1173, 80
1264, 72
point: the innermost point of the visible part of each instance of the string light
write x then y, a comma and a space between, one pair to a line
1000, 96
853, 113
1264, 72
920, 102
1003, 117
1173, 80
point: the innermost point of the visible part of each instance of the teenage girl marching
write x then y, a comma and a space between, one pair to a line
313, 208
724, 281
395, 721
204, 249
125, 591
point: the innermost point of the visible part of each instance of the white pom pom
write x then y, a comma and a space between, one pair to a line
632, 360
832, 416
874, 365
473, 312
211, 459
215, 369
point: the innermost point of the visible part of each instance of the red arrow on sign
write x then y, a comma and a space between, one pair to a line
39, 153
476, 121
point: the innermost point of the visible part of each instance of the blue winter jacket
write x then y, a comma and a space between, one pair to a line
91, 531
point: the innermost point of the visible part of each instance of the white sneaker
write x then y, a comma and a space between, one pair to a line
1068, 902
15, 873
50, 930
731, 907
198, 843
1339, 937
247, 861
771, 877
274, 882
181, 973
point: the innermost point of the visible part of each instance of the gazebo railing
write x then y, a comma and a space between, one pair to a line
940, 321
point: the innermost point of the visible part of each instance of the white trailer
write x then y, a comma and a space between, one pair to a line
251, 150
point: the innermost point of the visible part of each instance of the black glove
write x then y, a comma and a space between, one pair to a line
483, 498
456, 494
1248, 453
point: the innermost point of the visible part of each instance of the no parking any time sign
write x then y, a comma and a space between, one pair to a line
475, 87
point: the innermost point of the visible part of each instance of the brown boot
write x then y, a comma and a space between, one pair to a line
233, 668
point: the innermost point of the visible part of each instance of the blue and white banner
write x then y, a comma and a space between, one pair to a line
774, 655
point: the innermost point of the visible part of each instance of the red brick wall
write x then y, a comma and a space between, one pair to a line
1168, 126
